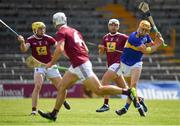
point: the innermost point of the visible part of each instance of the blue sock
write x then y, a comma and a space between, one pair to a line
127, 106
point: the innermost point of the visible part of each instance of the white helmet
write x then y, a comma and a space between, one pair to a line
115, 21
59, 18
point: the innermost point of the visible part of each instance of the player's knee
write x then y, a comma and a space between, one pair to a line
62, 90
57, 86
62, 87
105, 82
37, 88
98, 91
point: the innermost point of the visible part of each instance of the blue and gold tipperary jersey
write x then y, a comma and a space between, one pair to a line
131, 55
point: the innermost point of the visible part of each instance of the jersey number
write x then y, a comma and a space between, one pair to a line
77, 39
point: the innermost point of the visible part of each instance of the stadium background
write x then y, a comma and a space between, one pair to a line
160, 77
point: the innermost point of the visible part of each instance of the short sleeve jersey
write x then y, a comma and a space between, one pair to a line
74, 45
131, 56
40, 47
114, 42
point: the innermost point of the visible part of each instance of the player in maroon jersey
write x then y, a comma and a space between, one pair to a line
71, 41
112, 41
40, 44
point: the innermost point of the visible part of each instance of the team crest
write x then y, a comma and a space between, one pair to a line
144, 40
111, 46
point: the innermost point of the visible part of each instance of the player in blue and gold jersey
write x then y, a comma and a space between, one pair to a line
139, 43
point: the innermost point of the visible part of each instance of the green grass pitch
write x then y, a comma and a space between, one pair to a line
82, 113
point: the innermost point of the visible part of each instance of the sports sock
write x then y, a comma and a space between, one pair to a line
127, 106
125, 92
54, 112
106, 101
33, 108
138, 105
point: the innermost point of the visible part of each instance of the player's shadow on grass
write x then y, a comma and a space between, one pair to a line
17, 115
26, 119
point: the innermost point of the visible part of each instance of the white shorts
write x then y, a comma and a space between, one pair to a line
114, 67
83, 71
126, 70
50, 72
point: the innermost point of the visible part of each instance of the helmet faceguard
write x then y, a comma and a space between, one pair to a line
113, 26
59, 18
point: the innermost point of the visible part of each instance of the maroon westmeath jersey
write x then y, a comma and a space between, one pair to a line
40, 47
114, 42
74, 45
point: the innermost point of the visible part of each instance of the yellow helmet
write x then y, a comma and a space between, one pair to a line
37, 25
145, 24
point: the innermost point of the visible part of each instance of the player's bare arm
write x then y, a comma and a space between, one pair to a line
23, 46
86, 47
101, 50
159, 39
150, 49
57, 53
142, 48
156, 44
64, 52
55, 44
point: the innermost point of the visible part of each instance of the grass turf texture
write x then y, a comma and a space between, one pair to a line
161, 112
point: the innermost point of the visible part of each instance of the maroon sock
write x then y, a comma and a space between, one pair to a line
125, 92
33, 108
54, 112
106, 101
